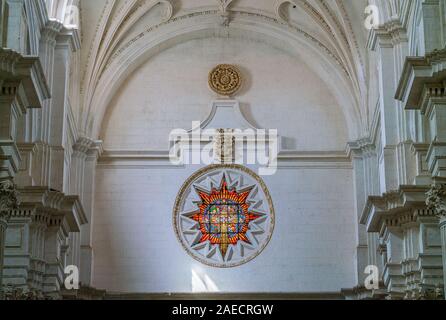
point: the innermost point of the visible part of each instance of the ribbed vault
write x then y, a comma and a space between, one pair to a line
126, 33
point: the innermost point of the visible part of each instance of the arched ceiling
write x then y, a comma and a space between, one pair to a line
119, 35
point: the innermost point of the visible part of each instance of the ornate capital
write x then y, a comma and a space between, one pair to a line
8, 198
436, 200
12, 293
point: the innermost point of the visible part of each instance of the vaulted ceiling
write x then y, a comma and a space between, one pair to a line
119, 35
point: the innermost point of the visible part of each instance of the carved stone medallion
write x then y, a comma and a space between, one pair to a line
226, 80
224, 216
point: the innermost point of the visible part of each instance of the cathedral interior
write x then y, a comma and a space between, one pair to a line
279, 149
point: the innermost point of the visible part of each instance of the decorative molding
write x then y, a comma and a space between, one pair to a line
395, 208
8, 198
287, 159
24, 76
128, 52
436, 200
11, 293
422, 78
225, 80
63, 210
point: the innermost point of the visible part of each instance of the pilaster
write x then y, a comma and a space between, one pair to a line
67, 41
436, 201
390, 42
410, 243
88, 190
363, 154
37, 239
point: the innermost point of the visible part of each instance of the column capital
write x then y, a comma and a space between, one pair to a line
8, 199
51, 30
69, 37
360, 148
93, 149
387, 35
436, 200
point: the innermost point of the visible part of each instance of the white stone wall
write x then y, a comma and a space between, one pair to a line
135, 248
170, 91
134, 244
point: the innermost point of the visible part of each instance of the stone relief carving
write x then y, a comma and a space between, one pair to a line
11, 293
8, 198
225, 80
427, 294
436, 200
225, 18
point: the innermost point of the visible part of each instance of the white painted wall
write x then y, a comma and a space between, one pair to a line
135, 248
170, 91
313, 246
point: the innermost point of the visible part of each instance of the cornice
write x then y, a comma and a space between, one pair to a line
69, 37
395, 208
51, 29
27, 71
235, 14
361, 147
89, 147
420, 76
387, 35
38, 200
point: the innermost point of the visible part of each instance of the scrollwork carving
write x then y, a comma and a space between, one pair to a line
436, 200
8, 198
11, 293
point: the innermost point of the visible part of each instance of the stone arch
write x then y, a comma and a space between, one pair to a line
177, 30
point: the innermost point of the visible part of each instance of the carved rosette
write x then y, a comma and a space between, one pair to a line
225, 80
8, 199
436, 200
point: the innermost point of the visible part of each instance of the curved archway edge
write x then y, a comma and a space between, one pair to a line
166, 35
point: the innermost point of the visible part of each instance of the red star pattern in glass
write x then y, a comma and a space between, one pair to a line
224, 217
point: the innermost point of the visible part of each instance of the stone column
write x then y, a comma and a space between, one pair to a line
67, 42
8, 202
391, 44
88, 189
436, 201
363, 154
